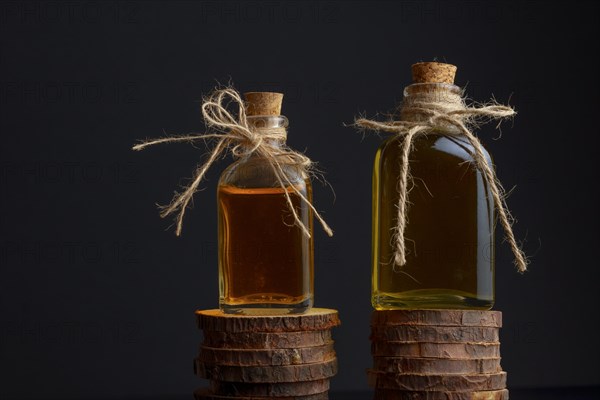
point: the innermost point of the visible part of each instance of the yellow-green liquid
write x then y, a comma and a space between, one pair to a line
449, 237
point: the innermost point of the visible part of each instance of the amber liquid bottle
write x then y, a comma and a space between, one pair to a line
265, 260
449, 237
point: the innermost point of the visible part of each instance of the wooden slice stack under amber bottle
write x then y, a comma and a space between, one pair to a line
436, 354
285, 357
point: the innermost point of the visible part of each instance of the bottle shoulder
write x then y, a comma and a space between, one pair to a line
451, 147
256, 172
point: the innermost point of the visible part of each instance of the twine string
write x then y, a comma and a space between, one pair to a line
444, 112
236, 133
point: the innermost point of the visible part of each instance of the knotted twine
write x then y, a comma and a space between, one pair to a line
235, 133
445, 112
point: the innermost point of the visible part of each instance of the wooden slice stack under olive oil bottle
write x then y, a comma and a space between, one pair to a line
436, 354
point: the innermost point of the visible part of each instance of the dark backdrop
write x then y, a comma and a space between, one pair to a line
97, 296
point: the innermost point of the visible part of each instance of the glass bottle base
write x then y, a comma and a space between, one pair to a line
430, 299
267, 308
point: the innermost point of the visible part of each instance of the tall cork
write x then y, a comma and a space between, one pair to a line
433, 72
263, 103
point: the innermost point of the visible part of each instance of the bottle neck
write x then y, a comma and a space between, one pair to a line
424, 100
272, 127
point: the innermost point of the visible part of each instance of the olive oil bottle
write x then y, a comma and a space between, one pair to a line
449, 236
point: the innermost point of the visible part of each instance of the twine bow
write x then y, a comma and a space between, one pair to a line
234, 132
426, 112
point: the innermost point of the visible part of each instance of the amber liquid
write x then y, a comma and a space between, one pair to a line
265, 261
449, 236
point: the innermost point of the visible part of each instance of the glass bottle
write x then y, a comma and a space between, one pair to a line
449, 237
265, 260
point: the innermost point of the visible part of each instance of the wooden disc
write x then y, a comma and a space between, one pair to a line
441, 382
316, 319
205, 394
439, 334
261, 374
266, 340
436, 350
436, 365
437, 317
390, 394
271, 357
288, 389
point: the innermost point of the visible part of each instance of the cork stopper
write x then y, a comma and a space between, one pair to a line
263, 103
433, 72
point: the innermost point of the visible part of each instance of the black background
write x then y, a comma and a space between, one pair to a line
97, 296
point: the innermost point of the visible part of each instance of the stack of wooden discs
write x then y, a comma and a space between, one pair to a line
283, 357
436, 354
